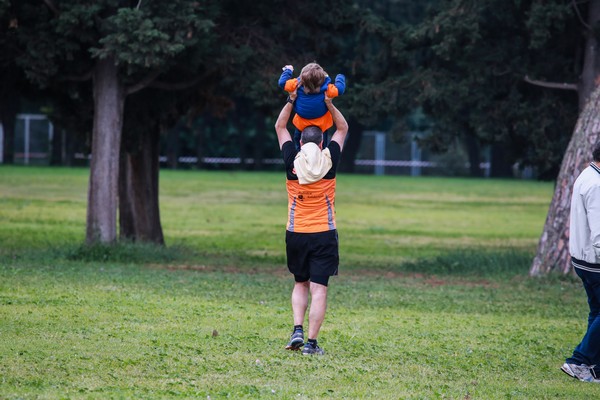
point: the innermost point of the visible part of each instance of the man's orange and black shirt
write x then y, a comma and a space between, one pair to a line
311, 208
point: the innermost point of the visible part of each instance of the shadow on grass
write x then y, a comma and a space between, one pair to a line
489, 264
474, 262
464, 263
128, 253
121, 252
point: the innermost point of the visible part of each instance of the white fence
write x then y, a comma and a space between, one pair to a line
34, 134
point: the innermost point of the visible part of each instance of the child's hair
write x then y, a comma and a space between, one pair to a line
312, 77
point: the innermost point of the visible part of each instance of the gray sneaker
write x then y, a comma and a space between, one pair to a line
584, 373
296, 340
309, 349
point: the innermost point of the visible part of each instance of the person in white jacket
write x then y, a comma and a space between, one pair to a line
584, 248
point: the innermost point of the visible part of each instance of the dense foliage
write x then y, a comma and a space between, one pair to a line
462, 62
474, 56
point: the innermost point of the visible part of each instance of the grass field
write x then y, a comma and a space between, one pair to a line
433, 300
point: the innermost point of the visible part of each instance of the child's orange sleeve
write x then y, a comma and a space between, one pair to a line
332, 91
291, 85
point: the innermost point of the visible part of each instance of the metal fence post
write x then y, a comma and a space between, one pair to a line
415, 155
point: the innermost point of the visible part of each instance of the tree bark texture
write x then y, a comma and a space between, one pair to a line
139, 214
553, 248
109, 99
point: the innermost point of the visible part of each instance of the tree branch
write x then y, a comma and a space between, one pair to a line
178, 85
52, 6
576, 7
552, 85
147, 80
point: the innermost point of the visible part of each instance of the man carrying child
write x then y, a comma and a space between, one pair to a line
311, 235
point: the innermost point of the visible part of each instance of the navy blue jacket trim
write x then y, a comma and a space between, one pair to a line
585, 265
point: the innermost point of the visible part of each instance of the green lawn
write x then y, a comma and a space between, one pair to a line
240, 217
432, 302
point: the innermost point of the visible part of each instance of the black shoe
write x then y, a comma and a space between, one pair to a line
296, 340
310, 349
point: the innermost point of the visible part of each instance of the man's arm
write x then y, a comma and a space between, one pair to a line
283, 135
341, 126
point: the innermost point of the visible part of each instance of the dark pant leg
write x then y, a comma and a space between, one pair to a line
588, 351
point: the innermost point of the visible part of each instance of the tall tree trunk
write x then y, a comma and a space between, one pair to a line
352, 145
126, 201
591, 61
139, 214
553, 249
109, 98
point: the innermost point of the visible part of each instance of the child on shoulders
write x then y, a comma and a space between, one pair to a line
312, 84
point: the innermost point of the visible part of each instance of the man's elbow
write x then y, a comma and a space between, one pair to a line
280, 128
343, 127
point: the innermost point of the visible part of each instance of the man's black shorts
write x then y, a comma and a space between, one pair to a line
311, 254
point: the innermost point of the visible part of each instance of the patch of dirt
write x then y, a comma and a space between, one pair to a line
431, 280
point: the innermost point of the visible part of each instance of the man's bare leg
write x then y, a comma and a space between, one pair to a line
300, 301
299, 306
318, 306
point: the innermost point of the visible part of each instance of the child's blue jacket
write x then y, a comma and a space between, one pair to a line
311, 106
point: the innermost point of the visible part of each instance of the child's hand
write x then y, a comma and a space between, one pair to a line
288, 67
